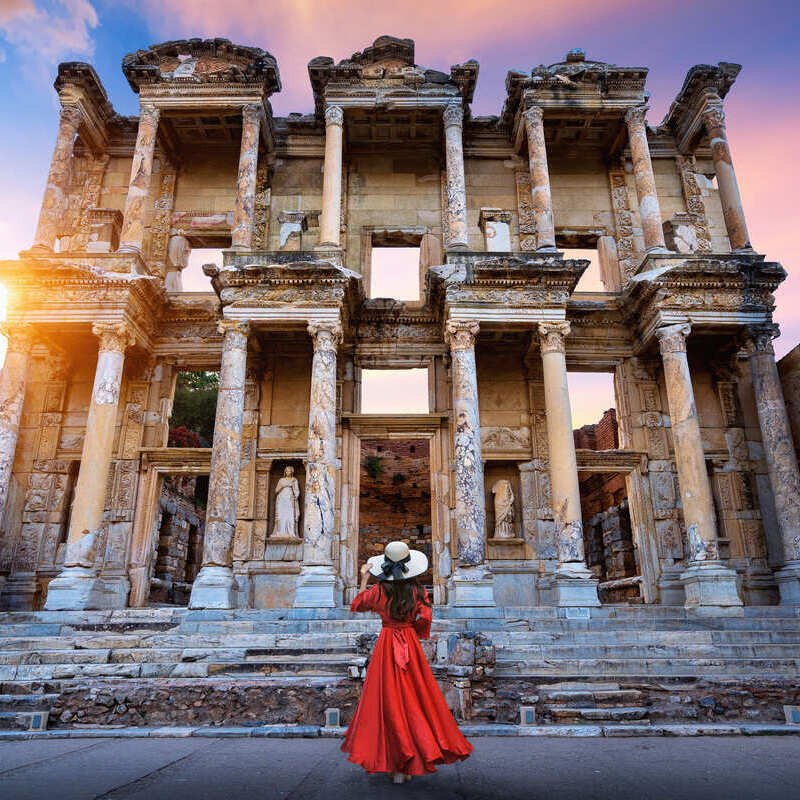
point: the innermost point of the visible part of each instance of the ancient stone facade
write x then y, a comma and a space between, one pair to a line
392, 155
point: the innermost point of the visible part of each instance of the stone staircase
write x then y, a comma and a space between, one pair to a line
612, 665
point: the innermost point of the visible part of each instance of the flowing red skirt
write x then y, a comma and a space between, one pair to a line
402, 723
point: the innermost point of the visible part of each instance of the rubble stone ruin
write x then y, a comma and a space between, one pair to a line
686, 495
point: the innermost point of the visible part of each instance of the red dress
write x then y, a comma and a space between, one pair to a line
402, 723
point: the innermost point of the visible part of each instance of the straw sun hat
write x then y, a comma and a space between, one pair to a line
398, 563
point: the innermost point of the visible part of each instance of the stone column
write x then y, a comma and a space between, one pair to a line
574, 582
215, 585
714, 121
318, 586
57, 179
471, 583
779, 452
541, 199
242, 234
649, 210
12, 395
331, 217
78, 587
456, 211
132, 235
706, 582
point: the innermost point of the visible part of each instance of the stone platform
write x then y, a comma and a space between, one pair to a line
613, 665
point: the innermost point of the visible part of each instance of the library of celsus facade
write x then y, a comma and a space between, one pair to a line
687, 495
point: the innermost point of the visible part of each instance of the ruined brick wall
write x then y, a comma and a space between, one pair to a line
395, 496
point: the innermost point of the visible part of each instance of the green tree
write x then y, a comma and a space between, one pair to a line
195, 405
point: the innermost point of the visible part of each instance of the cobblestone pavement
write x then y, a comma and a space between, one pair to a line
749, 768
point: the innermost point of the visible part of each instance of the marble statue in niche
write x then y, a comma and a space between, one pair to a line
503, 510
287, 505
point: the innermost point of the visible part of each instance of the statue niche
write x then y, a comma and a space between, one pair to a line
287, 506
503, 510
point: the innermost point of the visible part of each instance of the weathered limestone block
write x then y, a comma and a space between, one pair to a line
104, 228
496, 226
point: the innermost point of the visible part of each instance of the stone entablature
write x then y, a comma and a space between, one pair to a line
99, 330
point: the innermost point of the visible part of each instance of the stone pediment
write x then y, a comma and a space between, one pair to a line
581, 80
202, 61
388, 64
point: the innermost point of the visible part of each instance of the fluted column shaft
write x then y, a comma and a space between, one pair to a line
13, 379
649, 209
330, 219
565, 492
319, 506
779, 451
243, 215
714, 121
695, 487
132, 235
57, 178
470, 506
456, 211
541, 196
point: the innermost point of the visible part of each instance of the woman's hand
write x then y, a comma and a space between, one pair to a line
365, 573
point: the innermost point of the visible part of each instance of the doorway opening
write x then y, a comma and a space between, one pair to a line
395, 498
178, 540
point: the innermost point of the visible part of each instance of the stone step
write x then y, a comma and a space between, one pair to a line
27, 702
563, 714
590, 697
637, 636
726, 651
279, 666
649, 667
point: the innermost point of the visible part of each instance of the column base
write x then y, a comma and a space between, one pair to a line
788, 580
575, 585
214, 587
471, 587
78, 589
711, 589
670, 587
318, 587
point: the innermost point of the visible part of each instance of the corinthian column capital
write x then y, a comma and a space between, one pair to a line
552, 336
461, 335
325, 335
149, 113
251, 113
758, 338
637, 115
533, 115
453, 114
672, 338
713, 115
115, 337
334, 115
71, 116
20, 338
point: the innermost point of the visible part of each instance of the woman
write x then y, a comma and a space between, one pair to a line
402, 724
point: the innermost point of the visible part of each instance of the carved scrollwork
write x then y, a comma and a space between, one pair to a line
552, 335
672, 338
461, 335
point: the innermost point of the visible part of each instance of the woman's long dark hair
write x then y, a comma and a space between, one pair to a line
403, 597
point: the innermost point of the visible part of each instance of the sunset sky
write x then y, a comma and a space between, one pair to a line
668, 37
